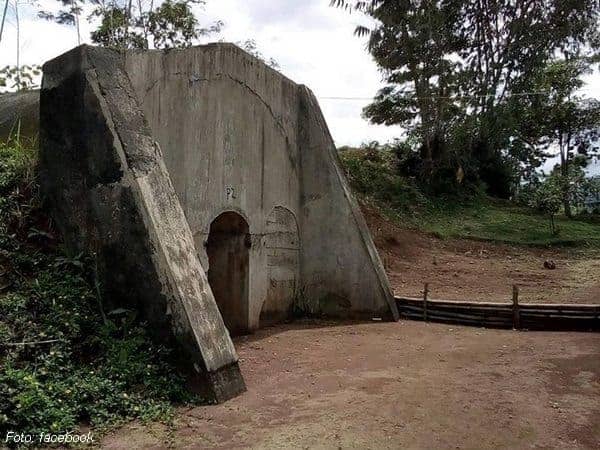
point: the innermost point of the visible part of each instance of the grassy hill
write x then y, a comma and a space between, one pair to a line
374, 178
64, 360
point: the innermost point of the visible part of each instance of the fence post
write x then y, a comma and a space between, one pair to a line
425, 294
515, 308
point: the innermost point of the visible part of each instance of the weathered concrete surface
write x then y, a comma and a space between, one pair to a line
106, 183
238, 136
19, 113
227, 125
340, 264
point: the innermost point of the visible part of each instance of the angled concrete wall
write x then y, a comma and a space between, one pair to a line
104, 178
341, 270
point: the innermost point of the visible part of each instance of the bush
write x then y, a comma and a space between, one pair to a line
498, 175
547, 200
61, 363
373, 172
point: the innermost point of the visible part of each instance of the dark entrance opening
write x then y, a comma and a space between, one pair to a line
228, 258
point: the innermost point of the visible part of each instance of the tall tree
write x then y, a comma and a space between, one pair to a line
170, 24
450, 65
561, 122
19, 76
139, 24
414, 45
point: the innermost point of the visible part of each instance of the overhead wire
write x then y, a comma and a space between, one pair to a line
453, 97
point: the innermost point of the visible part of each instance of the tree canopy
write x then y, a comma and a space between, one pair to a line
451, 68
140, 24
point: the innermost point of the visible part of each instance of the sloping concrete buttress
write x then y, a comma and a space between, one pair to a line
149, 158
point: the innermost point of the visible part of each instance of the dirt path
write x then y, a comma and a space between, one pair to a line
398, 385
469, 270
410, 384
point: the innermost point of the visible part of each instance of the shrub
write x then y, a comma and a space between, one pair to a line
61, 363
373, 172
547, 200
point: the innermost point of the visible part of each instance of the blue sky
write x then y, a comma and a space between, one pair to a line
312, 42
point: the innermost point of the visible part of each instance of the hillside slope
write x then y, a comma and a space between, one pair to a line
474, 216
472, 249
463, 269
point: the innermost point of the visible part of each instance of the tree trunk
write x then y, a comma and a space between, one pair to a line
567, 203
564, 174
76, 14
18, 25
3, 19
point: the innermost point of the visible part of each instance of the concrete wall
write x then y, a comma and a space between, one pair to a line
341, 270
239, 136
227, 125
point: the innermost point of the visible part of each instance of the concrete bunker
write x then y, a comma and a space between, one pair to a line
228, 258
237, 135
168, 165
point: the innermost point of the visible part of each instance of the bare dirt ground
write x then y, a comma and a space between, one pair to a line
410, 384
398, 385
480, 271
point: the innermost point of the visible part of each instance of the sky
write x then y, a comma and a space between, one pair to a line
312, 42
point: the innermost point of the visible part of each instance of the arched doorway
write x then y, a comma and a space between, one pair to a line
228, 257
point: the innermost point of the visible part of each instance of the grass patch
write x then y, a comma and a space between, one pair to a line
490, 220
61, 364
374, 176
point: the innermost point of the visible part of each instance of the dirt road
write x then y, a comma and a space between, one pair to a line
409, 384
398, 385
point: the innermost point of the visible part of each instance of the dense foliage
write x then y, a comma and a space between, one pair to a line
61, 363
373, 171
562, 121
19, 78
141, 24
171, 24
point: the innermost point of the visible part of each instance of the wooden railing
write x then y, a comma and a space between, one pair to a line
515, 315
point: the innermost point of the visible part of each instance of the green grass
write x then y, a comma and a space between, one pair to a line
475, 216
489, 220
80, 368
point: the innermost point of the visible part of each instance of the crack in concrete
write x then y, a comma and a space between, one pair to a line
194, 78
262, 100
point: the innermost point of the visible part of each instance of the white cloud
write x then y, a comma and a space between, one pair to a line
313, 43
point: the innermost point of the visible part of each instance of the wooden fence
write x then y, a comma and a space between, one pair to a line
515, 315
